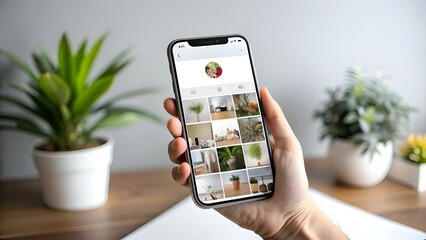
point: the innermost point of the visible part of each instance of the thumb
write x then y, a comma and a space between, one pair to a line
276, 121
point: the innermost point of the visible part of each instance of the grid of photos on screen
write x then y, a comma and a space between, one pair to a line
228, 149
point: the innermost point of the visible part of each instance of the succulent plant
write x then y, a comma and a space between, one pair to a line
364, 111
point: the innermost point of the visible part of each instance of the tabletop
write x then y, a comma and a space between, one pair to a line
137, 197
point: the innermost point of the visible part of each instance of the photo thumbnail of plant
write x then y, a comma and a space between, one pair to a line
231, 158
246, 104
196, 110
251, 129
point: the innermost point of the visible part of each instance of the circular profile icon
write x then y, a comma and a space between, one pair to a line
213, 69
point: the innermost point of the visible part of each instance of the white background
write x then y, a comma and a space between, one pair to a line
299, 47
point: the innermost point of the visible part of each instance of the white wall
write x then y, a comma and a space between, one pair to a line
300, 47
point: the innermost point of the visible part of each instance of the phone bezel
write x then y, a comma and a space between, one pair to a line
204, 41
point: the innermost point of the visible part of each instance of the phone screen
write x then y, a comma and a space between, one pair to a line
217, 96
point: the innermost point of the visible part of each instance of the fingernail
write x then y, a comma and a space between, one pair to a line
179, 170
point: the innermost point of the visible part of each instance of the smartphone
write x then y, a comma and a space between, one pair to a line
221, 113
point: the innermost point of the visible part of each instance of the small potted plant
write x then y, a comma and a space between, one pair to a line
254, 185
59, 104
235, 179
362, 119
255, 152
196, 108
410, 167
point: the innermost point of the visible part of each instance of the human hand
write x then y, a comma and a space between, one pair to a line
289, 210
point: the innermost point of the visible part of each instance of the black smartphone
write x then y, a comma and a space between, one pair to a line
221, 113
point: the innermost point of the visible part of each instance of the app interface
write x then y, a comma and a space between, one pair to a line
228, 149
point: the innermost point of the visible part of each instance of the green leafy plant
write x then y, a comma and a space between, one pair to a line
253, 180
255, 151
251, 129
196, 108
365, 111
60, 101
234, 178
227, 153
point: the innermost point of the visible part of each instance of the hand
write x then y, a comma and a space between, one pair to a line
290, 209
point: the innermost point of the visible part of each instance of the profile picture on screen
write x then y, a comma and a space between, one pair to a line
213, 70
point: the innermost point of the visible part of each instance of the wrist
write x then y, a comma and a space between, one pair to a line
294, 221
306, 223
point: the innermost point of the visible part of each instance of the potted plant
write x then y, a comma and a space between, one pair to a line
262, 187
235, 179
60, 104
255, 151
410, 167
231, 158
362, 120
196, 108
254, 185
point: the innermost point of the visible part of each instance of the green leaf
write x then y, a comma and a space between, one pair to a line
21, 123
129, 94
55, 88
117, 64
19, 63
350, 118
116, 117
90, 95
18, 103
365, 126
43, 63
47, 59
86, 64
66, 61
80, 54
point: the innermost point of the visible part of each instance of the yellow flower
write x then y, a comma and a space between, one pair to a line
415, 148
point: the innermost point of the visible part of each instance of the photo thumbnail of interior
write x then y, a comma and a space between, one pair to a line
226, 132
200, 135
221, 107
205, 161
209, 187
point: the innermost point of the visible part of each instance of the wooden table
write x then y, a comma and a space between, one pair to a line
388, 199
137, 197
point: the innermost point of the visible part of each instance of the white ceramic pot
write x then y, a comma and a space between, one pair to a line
409, 173
361, 170
75, 180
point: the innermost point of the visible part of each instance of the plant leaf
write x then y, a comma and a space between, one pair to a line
86, 64
90, 95
117, 64
129, 94
55, 88
18, 103
42, 53
116, 117
350, 118
21, 123
42, 63
19, 63
65, 60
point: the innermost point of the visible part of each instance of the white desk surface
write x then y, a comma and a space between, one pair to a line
186, 221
